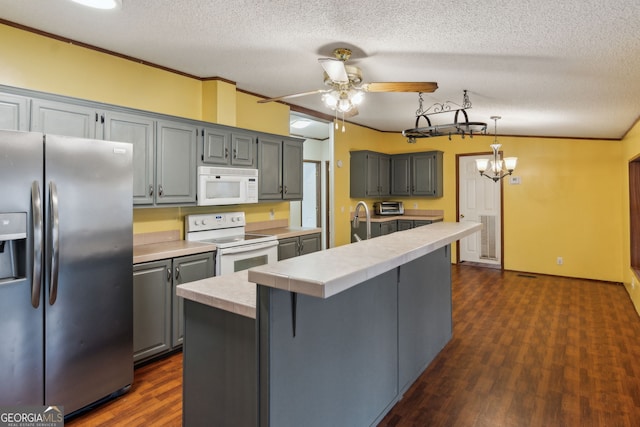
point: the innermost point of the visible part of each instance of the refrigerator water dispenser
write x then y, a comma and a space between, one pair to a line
13, 245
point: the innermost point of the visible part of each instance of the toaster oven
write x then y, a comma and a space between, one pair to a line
388, 208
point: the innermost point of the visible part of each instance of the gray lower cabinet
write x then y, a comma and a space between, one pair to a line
300, 245
407, 224
280, 163
225, 147
369, 174
158, 314
14, 112
377, 229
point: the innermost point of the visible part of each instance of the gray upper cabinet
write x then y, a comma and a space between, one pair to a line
215, 146
279, 168
175, 162
227, 148
61, 118
269, 168
426, 174
370, 174
14, 112
292, 169
401, 175
417, 174
139, 131
243, 147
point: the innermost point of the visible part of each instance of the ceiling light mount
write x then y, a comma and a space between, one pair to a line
100, 4
457, 127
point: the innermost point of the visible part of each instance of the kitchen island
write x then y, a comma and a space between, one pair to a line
335, 337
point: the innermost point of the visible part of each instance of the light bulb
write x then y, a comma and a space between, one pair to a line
510, 163
356, 96
481, 164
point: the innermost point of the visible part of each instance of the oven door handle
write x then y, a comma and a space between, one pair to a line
247, 248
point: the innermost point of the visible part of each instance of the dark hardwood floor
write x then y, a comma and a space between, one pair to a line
527, 350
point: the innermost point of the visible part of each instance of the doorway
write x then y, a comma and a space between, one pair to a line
480, 201
311, 202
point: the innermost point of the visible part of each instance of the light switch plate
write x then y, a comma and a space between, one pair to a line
514, 180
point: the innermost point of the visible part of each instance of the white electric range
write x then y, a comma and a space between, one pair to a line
237, 250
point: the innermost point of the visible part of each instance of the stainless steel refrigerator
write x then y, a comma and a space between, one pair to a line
66, 301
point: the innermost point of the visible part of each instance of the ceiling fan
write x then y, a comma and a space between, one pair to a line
345, 87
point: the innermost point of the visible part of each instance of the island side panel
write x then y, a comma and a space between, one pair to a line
424, 310
341, 367
220, 375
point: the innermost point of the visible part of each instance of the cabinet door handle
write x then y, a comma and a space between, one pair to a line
235, 153
285, 189
160, 190
226, 153
168, 274
177, 273
280, 189
150, 190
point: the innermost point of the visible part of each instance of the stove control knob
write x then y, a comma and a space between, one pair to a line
195, 222
204, 222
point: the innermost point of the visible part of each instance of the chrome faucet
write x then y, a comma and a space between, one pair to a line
356, 220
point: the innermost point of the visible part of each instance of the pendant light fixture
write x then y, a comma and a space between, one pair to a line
497, 168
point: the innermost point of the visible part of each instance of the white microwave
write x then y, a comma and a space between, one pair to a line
227, 186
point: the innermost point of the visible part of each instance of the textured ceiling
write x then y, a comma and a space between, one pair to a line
565, 68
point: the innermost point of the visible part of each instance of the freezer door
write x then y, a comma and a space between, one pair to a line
21, 369
89, 270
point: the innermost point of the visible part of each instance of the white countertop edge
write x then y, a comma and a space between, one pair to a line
233, 293
327, 273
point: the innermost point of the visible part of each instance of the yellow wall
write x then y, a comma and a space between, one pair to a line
573, 200
35, 62
569, 203
631, 150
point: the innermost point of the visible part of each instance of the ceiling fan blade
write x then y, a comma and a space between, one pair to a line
400, 87
295, 95
335, 69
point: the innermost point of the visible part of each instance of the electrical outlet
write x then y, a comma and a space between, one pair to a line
514, 180
560, 261
415, 206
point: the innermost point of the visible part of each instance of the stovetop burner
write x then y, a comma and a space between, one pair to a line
224, 229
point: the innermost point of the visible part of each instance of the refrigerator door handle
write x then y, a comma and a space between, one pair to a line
36, 212
55, 243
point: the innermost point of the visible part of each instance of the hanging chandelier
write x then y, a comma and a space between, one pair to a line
455, 128
497, 168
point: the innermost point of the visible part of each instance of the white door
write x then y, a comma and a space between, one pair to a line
479, 201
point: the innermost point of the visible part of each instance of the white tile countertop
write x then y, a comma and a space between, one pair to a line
326, 273
233, 293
